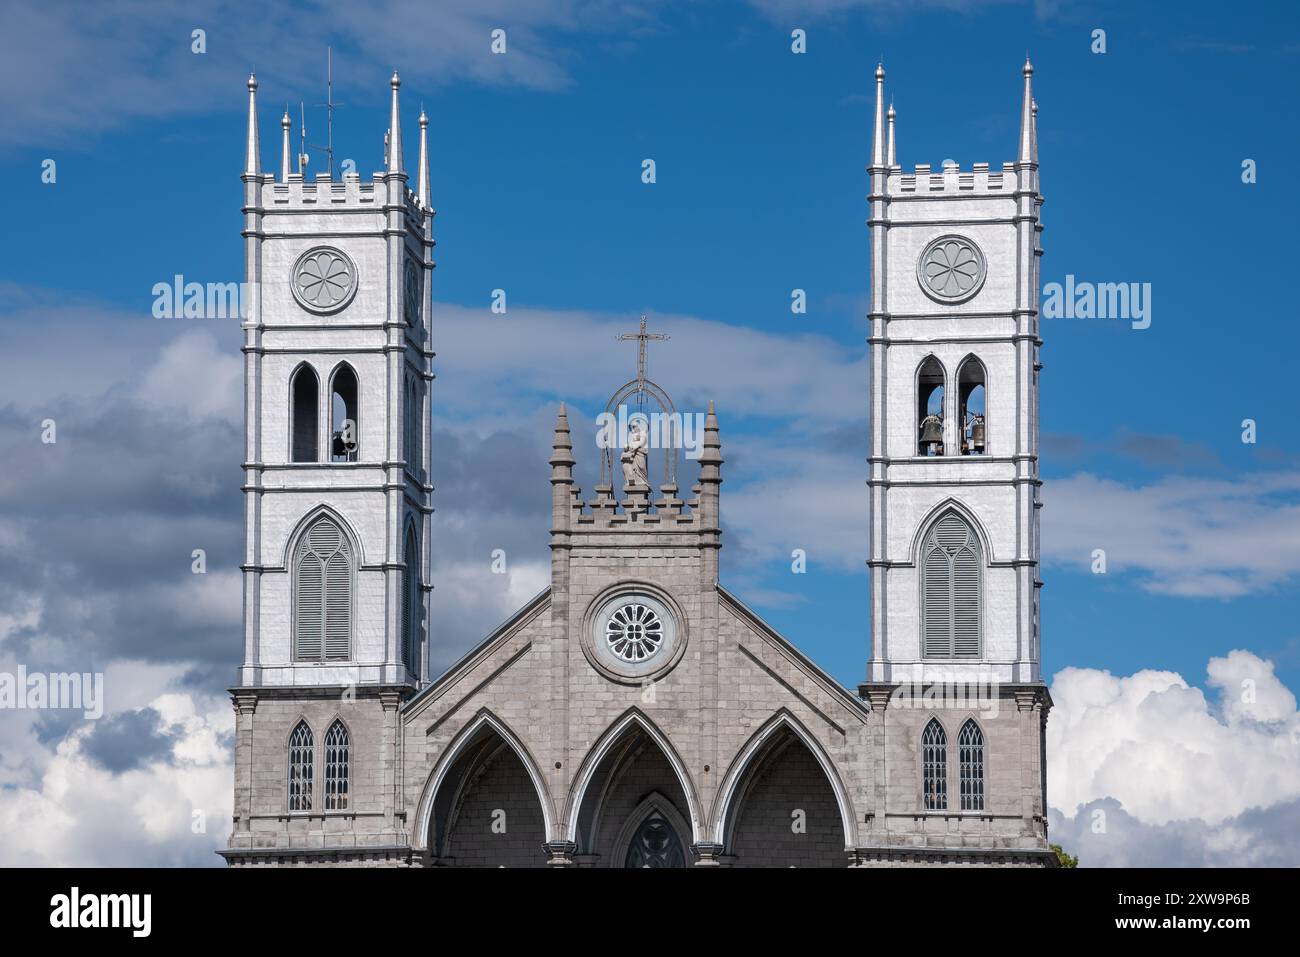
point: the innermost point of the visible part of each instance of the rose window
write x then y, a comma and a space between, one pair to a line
634, 632
951, 269
323, 279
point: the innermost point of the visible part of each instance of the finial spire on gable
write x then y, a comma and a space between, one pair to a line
1028, 147
253, 155
890, 157
395, 130
878, 134
426, 194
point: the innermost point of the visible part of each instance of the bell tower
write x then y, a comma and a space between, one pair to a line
954, 345
337, 376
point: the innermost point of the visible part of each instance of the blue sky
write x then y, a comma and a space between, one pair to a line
760, 155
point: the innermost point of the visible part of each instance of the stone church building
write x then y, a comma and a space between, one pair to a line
636, 713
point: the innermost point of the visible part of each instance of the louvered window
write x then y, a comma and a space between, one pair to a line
300, 768
410, 605
323, 594
934, 767
950, 590
970, 755
338, 767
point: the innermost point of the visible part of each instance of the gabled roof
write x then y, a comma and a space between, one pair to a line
796, 657
503, 632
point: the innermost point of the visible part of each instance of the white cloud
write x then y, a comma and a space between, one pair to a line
66, 809
1183, 536
1156, 748
192, 375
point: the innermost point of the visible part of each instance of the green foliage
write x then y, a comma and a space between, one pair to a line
1065, 859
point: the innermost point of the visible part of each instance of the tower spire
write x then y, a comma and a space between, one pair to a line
890, 157
253, 156
395, 130
1028, 147
878, 134
426, 194
285, 156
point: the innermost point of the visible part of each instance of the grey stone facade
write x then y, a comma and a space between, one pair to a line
728, 747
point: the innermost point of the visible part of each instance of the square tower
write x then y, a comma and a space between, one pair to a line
337, 375
954, 550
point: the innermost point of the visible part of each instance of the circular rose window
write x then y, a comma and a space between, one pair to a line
951, 269
324, 279
634, 632
633, 635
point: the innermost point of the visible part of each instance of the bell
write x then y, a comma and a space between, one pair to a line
342, 447
977, 434
931, 430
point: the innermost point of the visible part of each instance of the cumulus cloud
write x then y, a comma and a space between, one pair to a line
1145, 769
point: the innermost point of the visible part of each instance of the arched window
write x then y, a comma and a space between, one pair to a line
322, 568
970, 757
411, 603
929, 408
412, 447
345, 430
934, 766
301, 748
338, 767
970, 406
950, 590
303, 416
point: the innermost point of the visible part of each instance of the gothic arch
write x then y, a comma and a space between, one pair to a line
935, 514
304, 422
963, 395
351, 410
750, 759
484, 721
304, 523
655, 802
633, 718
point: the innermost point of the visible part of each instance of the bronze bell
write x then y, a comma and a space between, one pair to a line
977, 433
931, 430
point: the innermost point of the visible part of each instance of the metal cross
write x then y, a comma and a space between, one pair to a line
642, 338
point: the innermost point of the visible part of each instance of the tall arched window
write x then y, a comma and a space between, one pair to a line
322, 569
929, 408
970, 406
934, 767
338, 767
345, 429
950, 590
301, 748
410, 603
304, 415
411, 451
970, 758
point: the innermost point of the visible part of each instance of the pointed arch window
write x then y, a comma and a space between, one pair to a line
412, 432
301, 748
338, 767
411, 603
304, 415
951, 590
970, 758
345, 429
971, 406
930, 408
934, 767
323, 594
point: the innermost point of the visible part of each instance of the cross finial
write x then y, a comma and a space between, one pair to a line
642, 337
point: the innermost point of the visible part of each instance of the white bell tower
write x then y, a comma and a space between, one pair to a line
954, 550
337, 373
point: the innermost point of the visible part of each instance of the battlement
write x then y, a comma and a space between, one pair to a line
636, 510
325, 191
979, 179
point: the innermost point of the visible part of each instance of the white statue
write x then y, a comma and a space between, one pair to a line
634, 456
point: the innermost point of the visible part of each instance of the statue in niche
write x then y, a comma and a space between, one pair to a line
634, 455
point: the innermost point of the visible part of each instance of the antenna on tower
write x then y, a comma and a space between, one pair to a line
330, 106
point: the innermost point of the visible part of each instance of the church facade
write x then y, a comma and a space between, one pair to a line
635, 713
